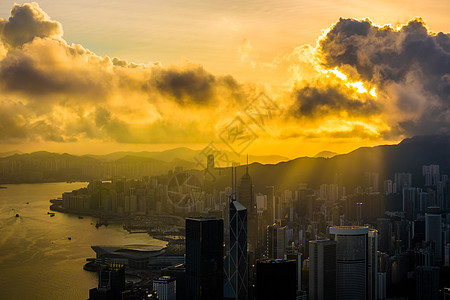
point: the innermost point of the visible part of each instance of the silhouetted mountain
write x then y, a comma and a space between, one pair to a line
177, 162
326, 154
166, 155
44, 166
9, 153
190, 155
264, 159
134, 159
408, 156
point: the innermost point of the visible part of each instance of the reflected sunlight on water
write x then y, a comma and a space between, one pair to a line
37, 259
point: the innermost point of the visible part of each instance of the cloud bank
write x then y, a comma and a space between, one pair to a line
409, 66
53, 91
360, 81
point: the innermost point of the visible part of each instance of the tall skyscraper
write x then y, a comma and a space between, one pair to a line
276, 241
388, 187
372, 265
237, 259
329, 192
111, 283
236, 262
431, 174
371, 181
381, 285
165, 288
402, 230
433, 232
356, 257
322, 269
409, 201
246, 198
427, 283
210, 162
204, 258
271, 203
384, 227
179, 273
275, 279
402, 180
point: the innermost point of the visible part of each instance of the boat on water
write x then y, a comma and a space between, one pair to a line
3, 187
80, 217
52, 214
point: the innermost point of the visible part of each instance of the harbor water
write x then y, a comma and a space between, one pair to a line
37, 258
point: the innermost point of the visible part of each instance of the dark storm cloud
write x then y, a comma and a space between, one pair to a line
54, 88
38, 62
27, 21
192, 85
409, 65
23, 72
313, 101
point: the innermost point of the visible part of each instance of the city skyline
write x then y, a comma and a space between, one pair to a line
251, 150
71, 80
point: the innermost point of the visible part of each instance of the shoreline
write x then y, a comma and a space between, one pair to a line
117, 219
43, 181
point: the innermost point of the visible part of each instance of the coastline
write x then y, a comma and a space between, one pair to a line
169, 237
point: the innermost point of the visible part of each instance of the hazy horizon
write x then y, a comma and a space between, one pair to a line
106, 152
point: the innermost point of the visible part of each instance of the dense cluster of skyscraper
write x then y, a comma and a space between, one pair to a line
371, 243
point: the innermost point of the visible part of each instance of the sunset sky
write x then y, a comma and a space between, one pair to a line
104, 76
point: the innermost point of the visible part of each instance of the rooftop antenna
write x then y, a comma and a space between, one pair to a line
232, 184
235, 185
247, 163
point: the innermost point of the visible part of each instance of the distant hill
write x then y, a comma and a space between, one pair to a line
44, 166
9, 153
408, 156
326, 154
167, 155
187, 154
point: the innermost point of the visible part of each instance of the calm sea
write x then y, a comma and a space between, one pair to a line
37, 261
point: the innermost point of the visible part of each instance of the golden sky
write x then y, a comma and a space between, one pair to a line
263, 77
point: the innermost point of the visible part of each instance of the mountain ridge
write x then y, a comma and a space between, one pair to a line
407, 156
385, 160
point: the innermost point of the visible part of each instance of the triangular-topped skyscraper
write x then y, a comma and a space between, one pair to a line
236, 262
